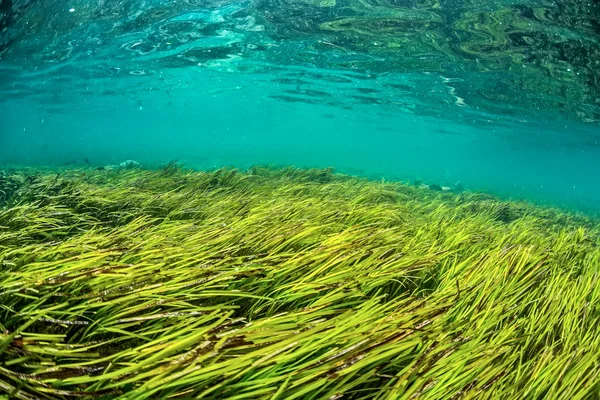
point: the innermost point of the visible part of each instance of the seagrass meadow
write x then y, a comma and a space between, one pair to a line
289, 284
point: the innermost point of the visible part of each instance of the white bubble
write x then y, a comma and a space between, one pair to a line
71, 10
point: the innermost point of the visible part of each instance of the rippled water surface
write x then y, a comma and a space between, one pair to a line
501, 95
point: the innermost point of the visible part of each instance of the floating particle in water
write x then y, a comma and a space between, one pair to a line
71, 10
137, 72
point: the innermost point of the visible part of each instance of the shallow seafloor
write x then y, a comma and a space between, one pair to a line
289, 284
450, 252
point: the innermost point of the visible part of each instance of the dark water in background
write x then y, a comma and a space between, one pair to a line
501, 95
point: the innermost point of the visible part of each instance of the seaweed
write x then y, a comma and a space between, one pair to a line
289, 283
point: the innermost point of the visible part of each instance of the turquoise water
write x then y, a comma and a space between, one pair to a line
502, 96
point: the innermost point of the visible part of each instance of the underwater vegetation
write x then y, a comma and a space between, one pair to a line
289, 284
